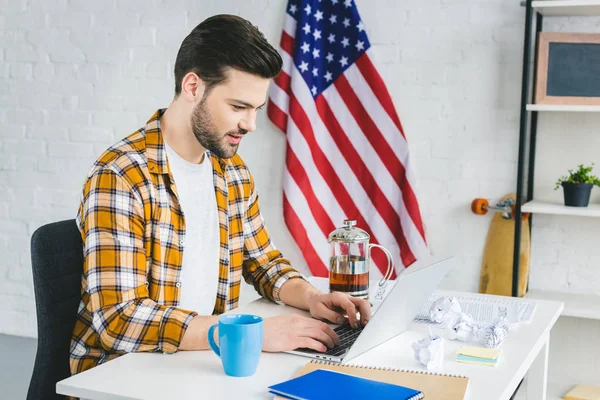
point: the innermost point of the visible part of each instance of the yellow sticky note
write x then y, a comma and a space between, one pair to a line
480, 352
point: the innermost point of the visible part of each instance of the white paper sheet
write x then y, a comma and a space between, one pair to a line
486, 310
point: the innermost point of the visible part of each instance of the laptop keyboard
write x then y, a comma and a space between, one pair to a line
347, 335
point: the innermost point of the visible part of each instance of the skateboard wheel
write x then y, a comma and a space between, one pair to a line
479, 206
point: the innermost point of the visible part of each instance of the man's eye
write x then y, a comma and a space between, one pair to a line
238, 108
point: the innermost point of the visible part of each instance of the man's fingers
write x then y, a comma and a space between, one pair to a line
327, 329
311, 344
364, 307
350, 309
330, 315
331, 333
304, 324
318, 334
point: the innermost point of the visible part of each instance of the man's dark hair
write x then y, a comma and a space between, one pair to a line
221, 42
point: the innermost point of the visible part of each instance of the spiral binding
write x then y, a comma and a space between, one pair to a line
412, 371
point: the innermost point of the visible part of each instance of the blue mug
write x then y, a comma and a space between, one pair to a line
240, 340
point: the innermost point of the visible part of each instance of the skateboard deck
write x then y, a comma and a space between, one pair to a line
497, 265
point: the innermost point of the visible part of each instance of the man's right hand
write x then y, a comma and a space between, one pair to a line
290, 332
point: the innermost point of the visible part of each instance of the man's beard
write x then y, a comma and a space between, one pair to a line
207, 135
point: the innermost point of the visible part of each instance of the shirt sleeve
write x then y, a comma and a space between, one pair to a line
112, 223
264, 266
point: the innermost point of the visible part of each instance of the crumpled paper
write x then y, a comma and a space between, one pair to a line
429, 351
461, 326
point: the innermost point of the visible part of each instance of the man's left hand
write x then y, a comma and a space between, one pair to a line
331, 305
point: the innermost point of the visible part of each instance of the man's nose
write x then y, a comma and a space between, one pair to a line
248, 123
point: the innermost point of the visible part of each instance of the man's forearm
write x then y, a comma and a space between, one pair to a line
196, 335
294, 292
297, 292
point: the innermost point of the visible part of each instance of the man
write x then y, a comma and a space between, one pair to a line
170, 218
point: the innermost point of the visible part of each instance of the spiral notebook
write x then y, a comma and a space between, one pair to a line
323, 384
436, 386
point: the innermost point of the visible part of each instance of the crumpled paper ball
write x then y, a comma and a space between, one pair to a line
464, 330
461, 326
445, 310
496, 334
429, 351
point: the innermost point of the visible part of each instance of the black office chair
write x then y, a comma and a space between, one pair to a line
57, 262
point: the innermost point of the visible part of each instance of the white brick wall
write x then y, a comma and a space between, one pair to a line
75, 76
82, 75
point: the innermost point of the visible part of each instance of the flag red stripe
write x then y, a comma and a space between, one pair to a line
328, 173
380, 201
287, 43
284, 81
298, 172
368, 70
277, 116
298, 232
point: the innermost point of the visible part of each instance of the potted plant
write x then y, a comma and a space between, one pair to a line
578, 185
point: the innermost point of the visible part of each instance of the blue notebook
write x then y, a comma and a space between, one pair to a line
323, 384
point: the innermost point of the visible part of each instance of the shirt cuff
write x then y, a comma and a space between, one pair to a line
173, 325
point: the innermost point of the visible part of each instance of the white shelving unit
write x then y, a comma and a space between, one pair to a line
562, 108
556, 208
583, 306
566, 8
576, 305
577, 348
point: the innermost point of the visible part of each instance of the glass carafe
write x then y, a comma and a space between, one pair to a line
350, 261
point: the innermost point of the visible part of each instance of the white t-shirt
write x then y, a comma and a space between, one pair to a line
200, 270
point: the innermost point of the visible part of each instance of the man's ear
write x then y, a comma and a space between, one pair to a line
192, 87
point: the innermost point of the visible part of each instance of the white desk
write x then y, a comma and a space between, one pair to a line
193, 375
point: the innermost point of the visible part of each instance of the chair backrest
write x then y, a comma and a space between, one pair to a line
57, 262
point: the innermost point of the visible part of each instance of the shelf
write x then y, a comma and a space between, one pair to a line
556, 208
567, 8
562, 108
576, 305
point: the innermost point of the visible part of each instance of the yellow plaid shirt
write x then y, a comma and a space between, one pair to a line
133, 232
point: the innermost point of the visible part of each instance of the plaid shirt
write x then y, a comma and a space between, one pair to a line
133, 231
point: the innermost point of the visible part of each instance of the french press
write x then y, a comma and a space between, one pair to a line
350, 260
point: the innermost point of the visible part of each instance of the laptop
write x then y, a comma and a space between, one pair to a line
391, 317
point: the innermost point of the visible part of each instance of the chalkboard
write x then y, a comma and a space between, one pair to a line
568, 68
573, 70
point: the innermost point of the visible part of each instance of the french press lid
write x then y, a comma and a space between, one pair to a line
349, 233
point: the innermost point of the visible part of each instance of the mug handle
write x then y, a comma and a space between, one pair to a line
211, 340
390, 267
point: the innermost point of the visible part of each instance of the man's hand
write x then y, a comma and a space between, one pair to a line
330, 306
290, 332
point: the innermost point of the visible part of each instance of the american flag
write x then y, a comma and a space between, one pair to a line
347, 156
